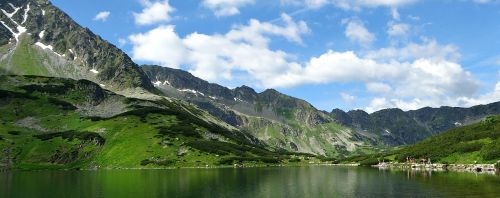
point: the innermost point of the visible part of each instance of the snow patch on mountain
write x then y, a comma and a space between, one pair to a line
43, 46
12, 13
74, 54
41, 34
94, 71
192, 91
20, 29
25, 16
48, 47
157, 83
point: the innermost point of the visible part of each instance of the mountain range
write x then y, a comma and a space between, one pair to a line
104, 85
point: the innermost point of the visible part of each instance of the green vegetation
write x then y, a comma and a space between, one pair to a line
476, 143
42, 127
25, 59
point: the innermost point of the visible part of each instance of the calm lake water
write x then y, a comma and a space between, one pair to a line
314, 181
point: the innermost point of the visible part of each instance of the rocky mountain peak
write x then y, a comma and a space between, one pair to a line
60, 47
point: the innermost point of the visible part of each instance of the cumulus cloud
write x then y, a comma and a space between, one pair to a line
378, 87
408, 77
357, 32
153, 12
212, 57
350, 4
160, 45
226, 7
398, 29
489, 97
102, 16
428, 49
349, 99
379, 103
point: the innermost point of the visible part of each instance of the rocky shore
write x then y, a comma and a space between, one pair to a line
477, 168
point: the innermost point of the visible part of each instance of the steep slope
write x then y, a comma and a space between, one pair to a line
62, 123
397, 127
36, 38
277, 119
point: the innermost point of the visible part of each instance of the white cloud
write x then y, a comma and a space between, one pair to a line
122, 42
398, 29
357, 32
379, 103
102, 16
350, 4
160, 45
378, 87
215, 57
408, 77
395, 14
349, 99
226, 7
153, 12
493, 96
482, 1
428, 49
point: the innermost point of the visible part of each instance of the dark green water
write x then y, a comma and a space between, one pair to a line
315, 181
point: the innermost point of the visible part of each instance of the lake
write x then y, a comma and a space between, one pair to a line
312, 181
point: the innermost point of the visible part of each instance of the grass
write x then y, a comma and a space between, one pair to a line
26, 59
476, 143
41, 129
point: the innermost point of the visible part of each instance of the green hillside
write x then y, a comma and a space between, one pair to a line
54, 123
476, 143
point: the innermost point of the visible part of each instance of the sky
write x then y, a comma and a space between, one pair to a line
347, 54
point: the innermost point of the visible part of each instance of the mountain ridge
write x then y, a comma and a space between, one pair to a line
43, 40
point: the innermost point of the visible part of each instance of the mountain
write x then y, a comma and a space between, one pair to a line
397, 127
279, 120
475, 143
56, 123
478, 143
37, 38
293, 124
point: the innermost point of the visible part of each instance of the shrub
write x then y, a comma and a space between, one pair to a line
157, 162
232, 160
491, 151
369, 162
70, 135
182, 128
14, 132
62, 104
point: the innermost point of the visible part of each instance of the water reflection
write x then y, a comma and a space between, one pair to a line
316, 181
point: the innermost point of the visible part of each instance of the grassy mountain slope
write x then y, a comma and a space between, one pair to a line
55, 45
478, 142
62, 123
475, 143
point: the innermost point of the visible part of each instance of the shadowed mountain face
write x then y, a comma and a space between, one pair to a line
280, 120
37, 38
397, 127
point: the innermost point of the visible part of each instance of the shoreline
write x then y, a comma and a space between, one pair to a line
473, 168
187, 167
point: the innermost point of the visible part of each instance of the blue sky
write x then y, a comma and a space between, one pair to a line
356, 54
